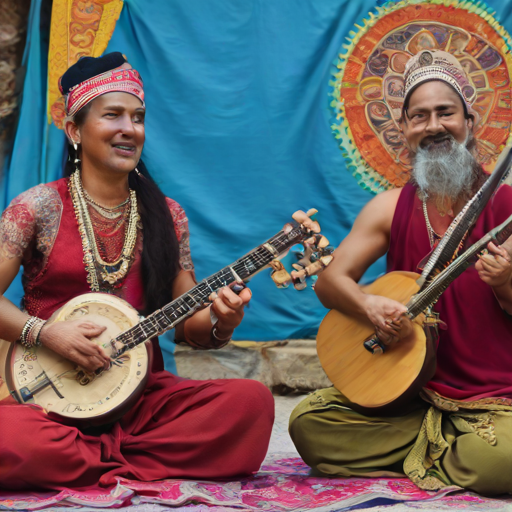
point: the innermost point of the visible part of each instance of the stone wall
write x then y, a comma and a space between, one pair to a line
283, 366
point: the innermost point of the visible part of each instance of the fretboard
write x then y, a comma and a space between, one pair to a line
427, 297
167, 317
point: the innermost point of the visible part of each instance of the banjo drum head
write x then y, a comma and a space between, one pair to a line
66, 391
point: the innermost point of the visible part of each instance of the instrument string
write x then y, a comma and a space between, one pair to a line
426, 298
160, 320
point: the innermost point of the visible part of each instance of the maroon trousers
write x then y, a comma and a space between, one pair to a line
178, 429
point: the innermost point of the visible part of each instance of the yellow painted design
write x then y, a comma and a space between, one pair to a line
79, 28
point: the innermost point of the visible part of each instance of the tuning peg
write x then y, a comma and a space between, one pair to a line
306, 220
309, 242
317, 267
279, 275
326, 260
322, 242
299, 279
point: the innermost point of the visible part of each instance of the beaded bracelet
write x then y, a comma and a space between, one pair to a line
30, 334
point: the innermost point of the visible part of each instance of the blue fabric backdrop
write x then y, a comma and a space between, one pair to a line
238, 128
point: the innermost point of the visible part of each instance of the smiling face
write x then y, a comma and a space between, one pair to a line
435, 114
440, 136
111, 136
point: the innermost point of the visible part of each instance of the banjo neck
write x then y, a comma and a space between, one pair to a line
40, 376
187, 304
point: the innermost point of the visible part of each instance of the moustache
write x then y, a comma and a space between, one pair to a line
432, 140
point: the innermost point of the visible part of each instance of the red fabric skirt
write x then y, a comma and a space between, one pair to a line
178, 429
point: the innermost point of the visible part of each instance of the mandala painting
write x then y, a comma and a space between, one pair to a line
368, 82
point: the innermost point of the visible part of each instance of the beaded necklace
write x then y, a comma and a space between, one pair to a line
108, 272
434, 238
432, 235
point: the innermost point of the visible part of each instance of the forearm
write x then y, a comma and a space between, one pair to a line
197, 330
12, 320
342, 294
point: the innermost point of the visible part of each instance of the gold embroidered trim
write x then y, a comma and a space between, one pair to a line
451, 405
481, 424
428, 448
477, 417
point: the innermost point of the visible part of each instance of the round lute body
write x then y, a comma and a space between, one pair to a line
377, 383
42, 377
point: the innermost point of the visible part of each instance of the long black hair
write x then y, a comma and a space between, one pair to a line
160, 250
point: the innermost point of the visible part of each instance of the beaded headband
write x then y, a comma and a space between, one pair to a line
438, 65
114, 80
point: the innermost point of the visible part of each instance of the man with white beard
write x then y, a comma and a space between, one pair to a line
429, 442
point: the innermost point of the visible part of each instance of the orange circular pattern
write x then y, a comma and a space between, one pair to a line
368, 84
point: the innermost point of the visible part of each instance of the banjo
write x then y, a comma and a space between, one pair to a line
67, 393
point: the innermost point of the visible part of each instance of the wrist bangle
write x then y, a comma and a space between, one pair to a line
216, 337
30, 334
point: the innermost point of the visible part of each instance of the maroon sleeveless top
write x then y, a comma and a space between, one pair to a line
474, 355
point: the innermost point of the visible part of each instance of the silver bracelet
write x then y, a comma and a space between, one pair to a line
216, 337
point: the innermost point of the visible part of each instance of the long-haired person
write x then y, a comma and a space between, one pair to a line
107, 227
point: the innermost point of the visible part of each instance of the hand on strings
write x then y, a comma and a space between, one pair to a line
228, 307
494, 268
387, 315
72, 341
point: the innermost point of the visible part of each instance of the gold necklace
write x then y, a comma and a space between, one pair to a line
109, 272
110, 212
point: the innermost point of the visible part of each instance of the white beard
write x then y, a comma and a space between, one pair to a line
445, 174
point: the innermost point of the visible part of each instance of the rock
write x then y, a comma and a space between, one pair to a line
283, 366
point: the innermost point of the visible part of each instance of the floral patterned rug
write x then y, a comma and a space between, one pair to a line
283, 484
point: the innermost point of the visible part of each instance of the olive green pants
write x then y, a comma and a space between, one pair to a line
470, 449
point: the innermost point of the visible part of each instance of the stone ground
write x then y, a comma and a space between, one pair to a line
280, 440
